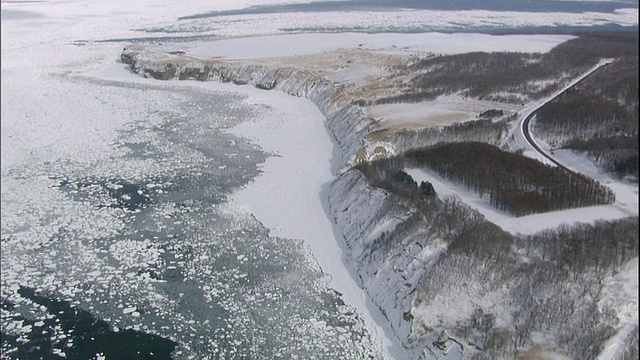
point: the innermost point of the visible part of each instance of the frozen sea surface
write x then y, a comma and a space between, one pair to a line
143, 239
575, 6
115, 215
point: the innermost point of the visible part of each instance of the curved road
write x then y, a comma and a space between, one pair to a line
525, 121
527, 136
616, 342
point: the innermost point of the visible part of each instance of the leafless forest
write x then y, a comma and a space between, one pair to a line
600, 116
550, 285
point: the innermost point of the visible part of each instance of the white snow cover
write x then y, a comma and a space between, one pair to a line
363, 214
622, 290
525, 225
626, 193
272, 46
403, 20
39, 40
61, 127
445, 110
290, 196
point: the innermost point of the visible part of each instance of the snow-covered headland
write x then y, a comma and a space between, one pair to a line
385, 257
391, 272
293, 73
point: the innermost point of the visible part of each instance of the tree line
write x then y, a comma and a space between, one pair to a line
578, 115
557, 290
615, 154
513, 183
482, 130
599, 117
554, 278
506, 76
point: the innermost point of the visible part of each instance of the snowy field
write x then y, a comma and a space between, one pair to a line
111, 183
287, 45
446, 110
626, 193
136, 201
525, 225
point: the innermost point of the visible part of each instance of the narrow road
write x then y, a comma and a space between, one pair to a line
616, 343
525, 121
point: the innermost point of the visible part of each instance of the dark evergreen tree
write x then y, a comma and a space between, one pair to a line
426, 188
403, 177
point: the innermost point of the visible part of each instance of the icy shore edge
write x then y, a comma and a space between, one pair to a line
350, 127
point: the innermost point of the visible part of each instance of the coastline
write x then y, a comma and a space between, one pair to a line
290, 198
51, 60
347, 123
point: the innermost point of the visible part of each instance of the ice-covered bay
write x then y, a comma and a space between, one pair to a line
290, 197
141, 237
114, 207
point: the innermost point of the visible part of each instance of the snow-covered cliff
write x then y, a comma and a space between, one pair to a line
346, 122
389, 269
389, 247
364, 215
414, 258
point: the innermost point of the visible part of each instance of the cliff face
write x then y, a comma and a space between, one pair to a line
389, 269
389, 247
393, 247
438, 265
365, 216
347, 122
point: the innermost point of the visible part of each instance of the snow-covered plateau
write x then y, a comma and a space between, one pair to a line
393, 251
232, 221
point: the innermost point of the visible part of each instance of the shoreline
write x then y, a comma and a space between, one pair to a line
54, 48
305, 148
